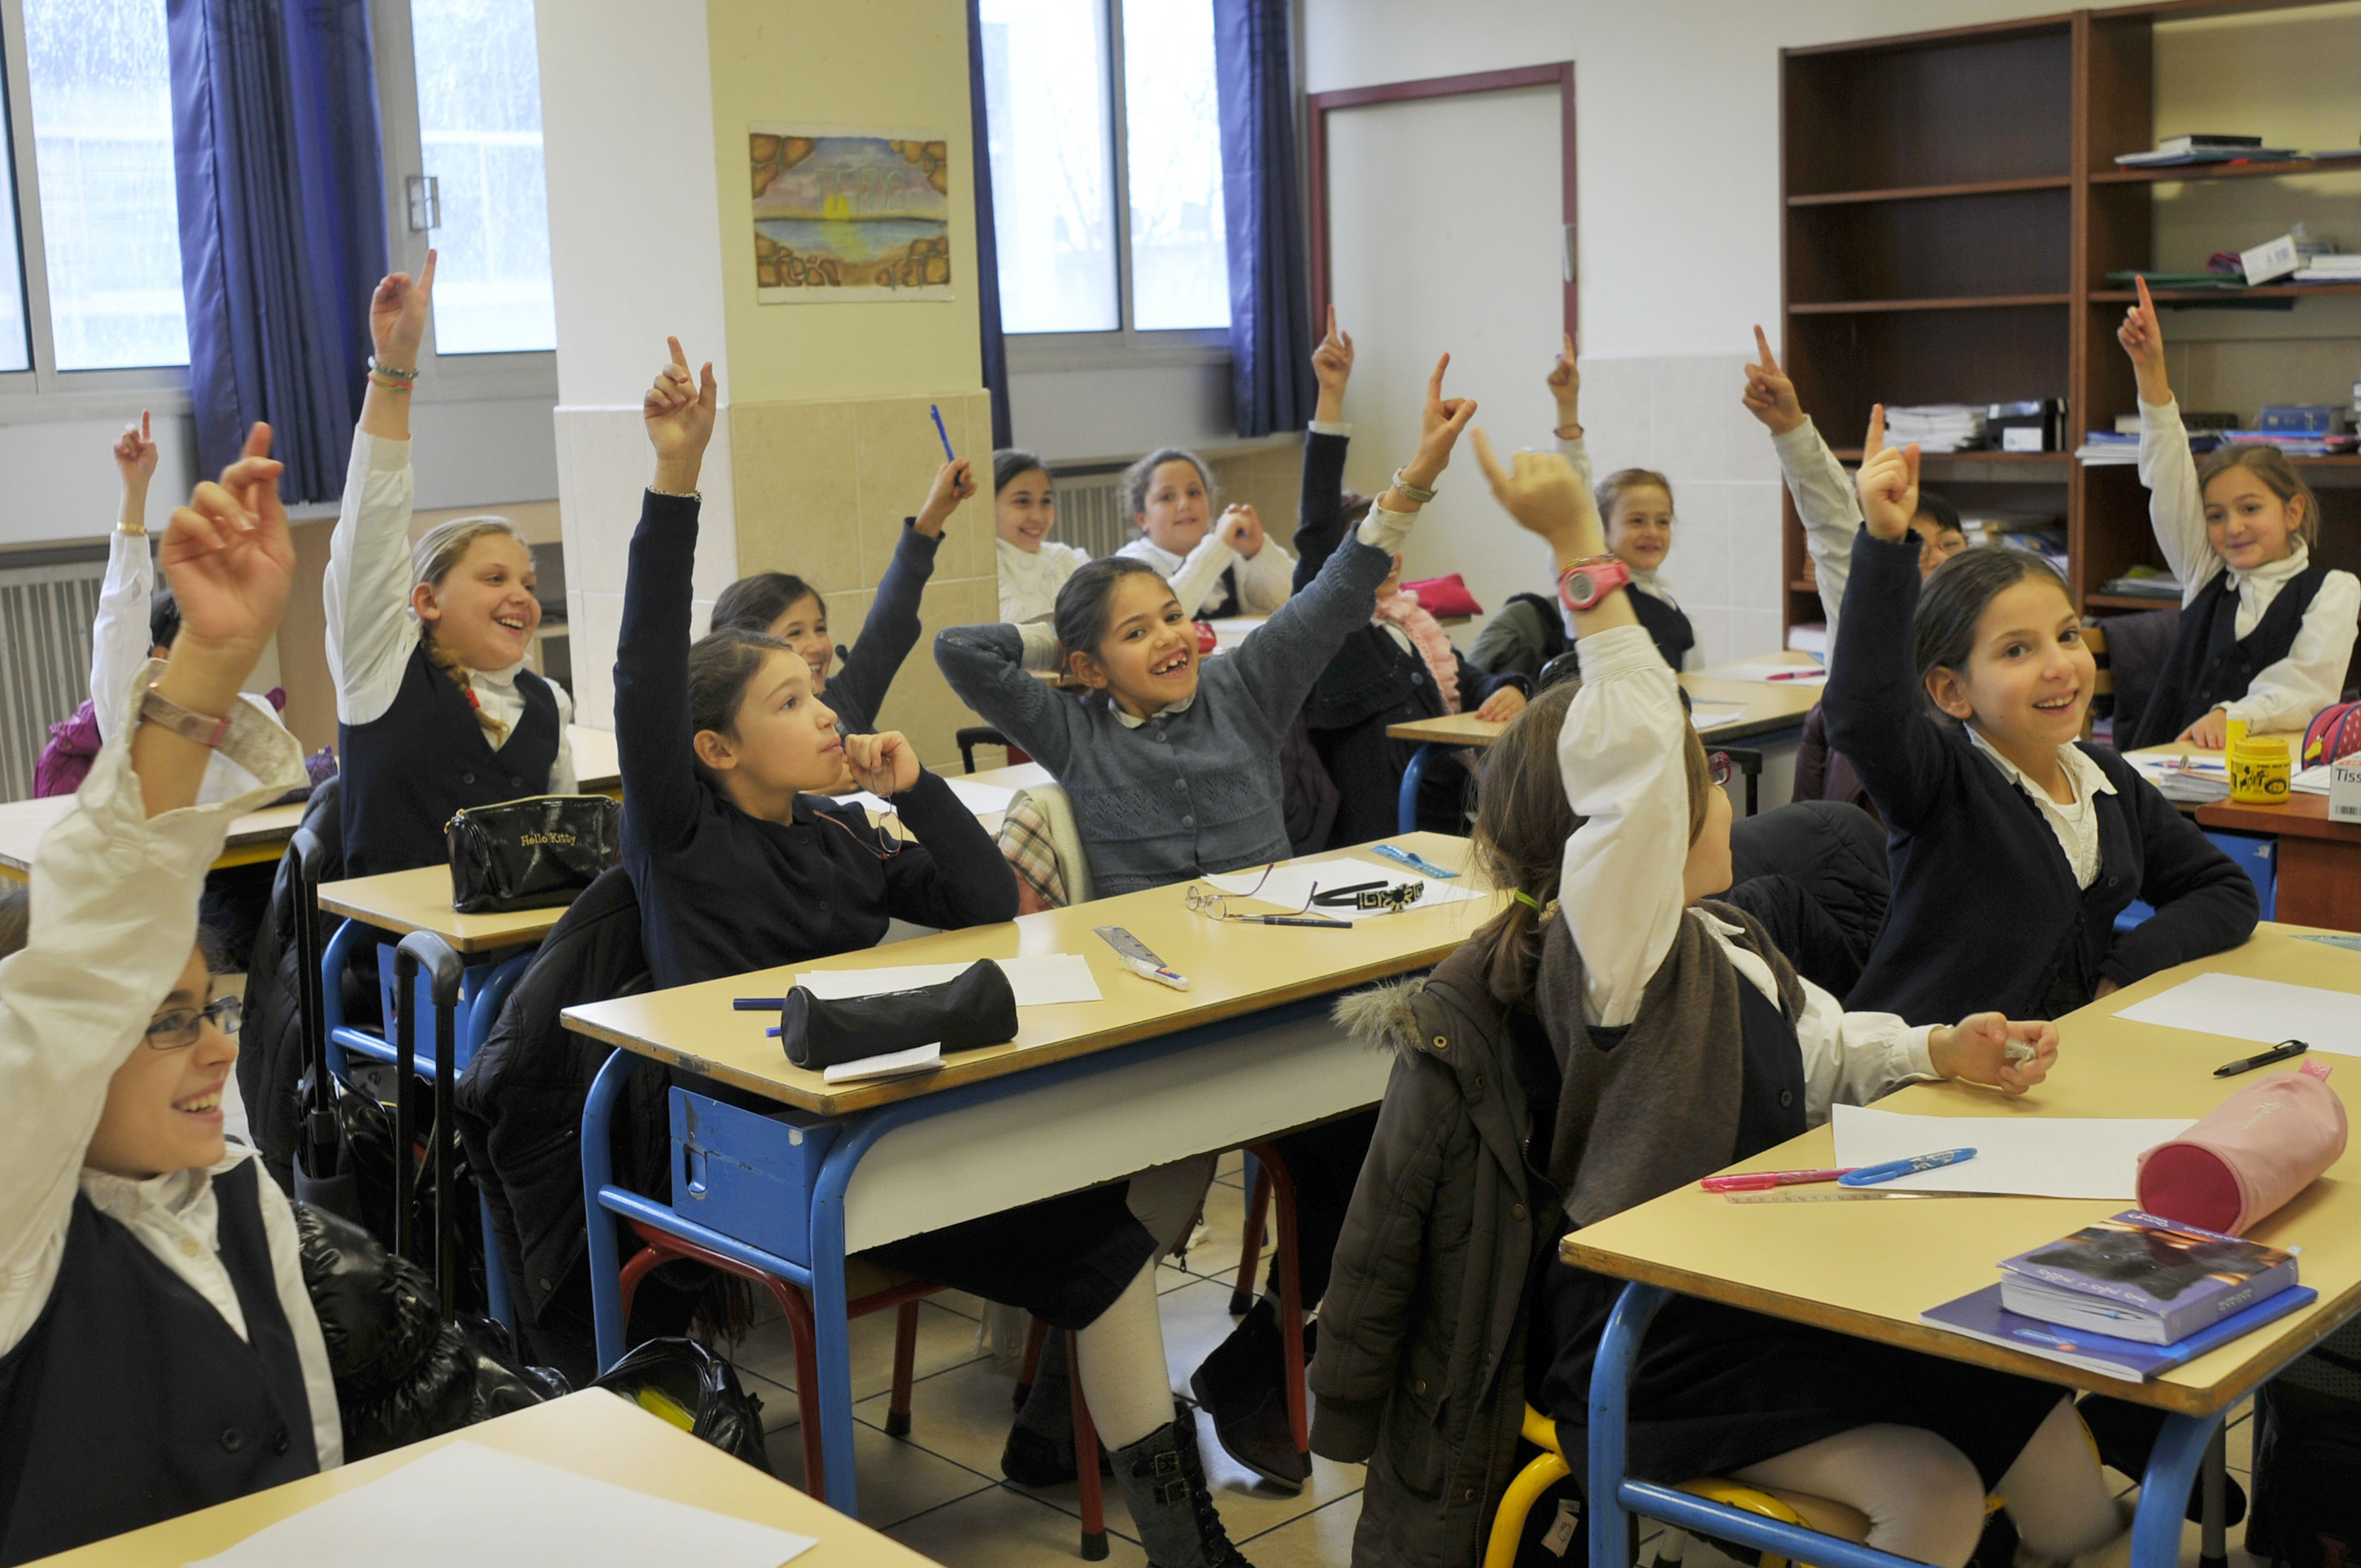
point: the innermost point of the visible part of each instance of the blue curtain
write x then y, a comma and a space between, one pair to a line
987, 241
1270, 309
282, 224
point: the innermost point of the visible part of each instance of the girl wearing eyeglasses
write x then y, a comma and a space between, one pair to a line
158, 1350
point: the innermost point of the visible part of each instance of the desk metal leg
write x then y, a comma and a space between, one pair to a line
1406, 807
1610, 1399
2214, 1477
2172, 1468
598, 1172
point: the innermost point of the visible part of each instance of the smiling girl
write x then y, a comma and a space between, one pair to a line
1033, 568
435, 709
2266, 631
1217, 568
2014, 846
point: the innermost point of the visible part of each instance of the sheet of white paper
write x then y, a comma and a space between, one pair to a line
863, 799
1039, 981
1290, 887
469, 1505
2267, 1011
886, 1064
2030, 1156
982, 799
1706, 715
1785, 674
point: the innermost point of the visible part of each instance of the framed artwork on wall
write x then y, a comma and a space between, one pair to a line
849, 216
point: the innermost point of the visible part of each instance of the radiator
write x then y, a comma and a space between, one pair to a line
45, 614
1089, 510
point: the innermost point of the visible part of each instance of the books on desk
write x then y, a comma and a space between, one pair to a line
2129, 1297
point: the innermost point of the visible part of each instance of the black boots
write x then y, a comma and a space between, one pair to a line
1243, 1387
1040, 1447
1164, 1482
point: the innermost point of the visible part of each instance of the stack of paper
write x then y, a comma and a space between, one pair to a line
2331, 268
1935, 427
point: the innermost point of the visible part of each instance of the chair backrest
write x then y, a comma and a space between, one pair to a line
1057, 813
2102, 686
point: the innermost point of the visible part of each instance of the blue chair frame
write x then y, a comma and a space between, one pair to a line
1613, 1496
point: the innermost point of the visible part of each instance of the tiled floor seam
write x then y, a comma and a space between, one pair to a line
1284, 1524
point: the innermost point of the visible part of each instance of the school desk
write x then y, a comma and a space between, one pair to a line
2319, 860
591, 1434
1143, 1077
1869, 1268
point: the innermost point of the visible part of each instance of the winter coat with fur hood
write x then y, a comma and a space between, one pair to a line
1420, 1368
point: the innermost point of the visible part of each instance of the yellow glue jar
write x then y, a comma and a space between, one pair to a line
2260, 768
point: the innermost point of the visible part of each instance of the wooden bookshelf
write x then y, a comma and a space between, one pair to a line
1950, 210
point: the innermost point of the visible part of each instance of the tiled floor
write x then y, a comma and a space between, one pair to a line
939, 1491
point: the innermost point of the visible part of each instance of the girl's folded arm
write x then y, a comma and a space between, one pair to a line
1199, 575
1874, 709
991, 668
957, 876
2284, 696
2203, 902
653, 734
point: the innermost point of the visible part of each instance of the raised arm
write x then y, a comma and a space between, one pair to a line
891, 628
367, 589
119, 638
1319, 519
653, 729
1823, 490
1875, 713
992, 669
2176, 507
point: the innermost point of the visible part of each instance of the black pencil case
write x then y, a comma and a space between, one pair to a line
975, 1007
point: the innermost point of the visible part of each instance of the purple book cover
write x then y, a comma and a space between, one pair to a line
2154, 1265
1980, 1315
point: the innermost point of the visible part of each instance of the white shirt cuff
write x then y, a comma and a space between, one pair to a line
1387, 531
1040, 641
1330, 427
1618, 651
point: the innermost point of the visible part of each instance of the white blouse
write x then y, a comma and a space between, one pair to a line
1030, 580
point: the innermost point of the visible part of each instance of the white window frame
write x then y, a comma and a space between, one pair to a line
1126, 345
44, 393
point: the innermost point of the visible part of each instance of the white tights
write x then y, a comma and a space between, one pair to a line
1123, 1372
1925, 1500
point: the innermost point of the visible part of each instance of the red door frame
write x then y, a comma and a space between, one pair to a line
1318, 105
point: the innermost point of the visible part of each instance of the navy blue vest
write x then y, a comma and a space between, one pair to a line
2210, 665
1223, 607
133, 1401
406, 772
1670, 630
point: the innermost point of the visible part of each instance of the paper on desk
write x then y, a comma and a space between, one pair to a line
1706, 715
470, 1506
2029, 1156
981, 799
886, 1064
1290, 887
1782, 674
1039, 981
2269, 1011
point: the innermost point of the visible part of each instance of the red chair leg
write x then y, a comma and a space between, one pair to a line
905, 1352
1242, 1295
1086, 1458
640, 1265
1290, 1299
1035, 1338
801, 1332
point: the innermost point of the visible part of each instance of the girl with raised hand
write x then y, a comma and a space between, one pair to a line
436, 708
1646, 1039
158, 1350
2266, 631
2014, 844
790, 610
1230, 568
1033, 567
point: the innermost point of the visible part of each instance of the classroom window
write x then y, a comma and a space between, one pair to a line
102, 124
16, 343
1059, 133
480, 137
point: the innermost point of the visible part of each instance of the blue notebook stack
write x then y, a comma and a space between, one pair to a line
2129, 1297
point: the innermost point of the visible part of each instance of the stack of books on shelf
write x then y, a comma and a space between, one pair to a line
2108, 446
2332, 267
2129, 1297
2121, 444
2206, 149
2300, 430
2144, 583
1935, 427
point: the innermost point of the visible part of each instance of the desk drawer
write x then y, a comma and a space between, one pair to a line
746, 1175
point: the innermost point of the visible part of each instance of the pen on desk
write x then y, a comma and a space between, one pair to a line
1870, 1175
1761, 1180
1795, 674
757, 1003
2286, 1050
936, 410
1320, 921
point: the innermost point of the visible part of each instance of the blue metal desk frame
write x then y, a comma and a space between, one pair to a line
2173, 1469
845, 1143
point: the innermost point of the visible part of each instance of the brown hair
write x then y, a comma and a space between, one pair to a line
1140, 477
720, 667
1522, 822
444, 546
1952, 603
2278, 476
1617, 485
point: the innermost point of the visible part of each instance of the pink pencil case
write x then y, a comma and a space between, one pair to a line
2260, 1148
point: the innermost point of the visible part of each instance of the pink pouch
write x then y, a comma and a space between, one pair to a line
2260, 1148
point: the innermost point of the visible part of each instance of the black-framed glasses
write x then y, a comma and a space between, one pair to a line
1719, 764
179, 1029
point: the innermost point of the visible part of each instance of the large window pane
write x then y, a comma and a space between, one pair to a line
1045, 72
102, 143
479, 123
1180, 248
16, 345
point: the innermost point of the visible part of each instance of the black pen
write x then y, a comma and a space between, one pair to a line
757, 1003
2284, 1051
1321, 921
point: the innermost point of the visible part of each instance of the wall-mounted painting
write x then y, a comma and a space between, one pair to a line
845, 216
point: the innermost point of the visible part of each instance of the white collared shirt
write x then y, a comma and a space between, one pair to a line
1030, 580
2076, 823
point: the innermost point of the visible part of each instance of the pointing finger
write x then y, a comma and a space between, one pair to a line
1875, 441
2147, 301
1434, 382
1769, 361
1489, 464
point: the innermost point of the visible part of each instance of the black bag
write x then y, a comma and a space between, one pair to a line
534, 853
687, 1384
2307, 1475
975, 1007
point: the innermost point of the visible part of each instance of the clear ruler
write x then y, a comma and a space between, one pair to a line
1832, 1194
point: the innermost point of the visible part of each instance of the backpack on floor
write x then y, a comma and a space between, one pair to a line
2307, 1476
2334, 732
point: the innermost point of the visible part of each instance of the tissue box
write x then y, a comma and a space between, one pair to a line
2345, 790
2272, 259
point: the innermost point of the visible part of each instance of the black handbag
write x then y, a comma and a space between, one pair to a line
534, 853
975, 1007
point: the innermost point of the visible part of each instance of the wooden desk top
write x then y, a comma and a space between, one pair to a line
597, 769
1869, 1268
592, 1433
420, 900
257, 836
2300, 815
1234, 969
1769, 704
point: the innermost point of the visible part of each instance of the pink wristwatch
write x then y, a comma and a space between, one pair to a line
1582, 585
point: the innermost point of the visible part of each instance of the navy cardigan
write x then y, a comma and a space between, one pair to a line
722, 893
1985, 911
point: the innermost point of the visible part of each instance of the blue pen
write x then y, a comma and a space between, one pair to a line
1871, 1175
1414, 860
936, 410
